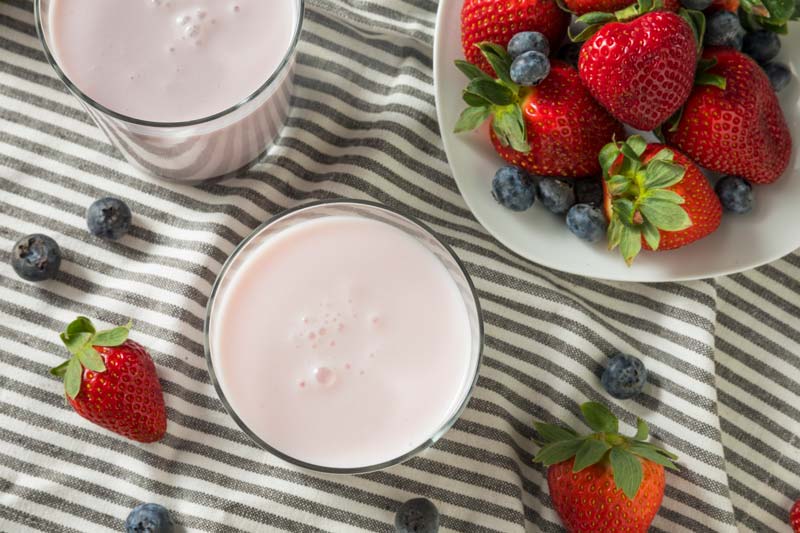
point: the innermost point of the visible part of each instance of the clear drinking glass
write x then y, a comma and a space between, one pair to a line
218, 146
352, 208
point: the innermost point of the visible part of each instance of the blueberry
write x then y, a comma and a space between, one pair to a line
556, 195
514, 188
36, 257
779, 75
589, 191
762, 45
149, 518
724, 29
586, 222
530, 68
735, 194
698, 5
109, 218
624, 377
570, 53
417, 516
528, 41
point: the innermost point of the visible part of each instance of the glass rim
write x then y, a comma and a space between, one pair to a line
436, 435
279, 70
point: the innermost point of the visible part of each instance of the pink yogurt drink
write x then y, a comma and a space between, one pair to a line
186, 89
343, 342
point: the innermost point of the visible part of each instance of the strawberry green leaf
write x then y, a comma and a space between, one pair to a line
646, 452
92, 360
496, 93
627, 471
665, 154
599, 417
712, 80
642, 431
584, 35
72, 377
471, 118
76, 341
499, 59
608, 155
661, 174
637, 144
697, 22
470, 70
552, 433
509, 126
60, 370
596, 17
628, 151
652, 236
631, 243
624, 208
558, 452
666, 195
618, 184
614, 234
474, 100
80, 325
665, 216
590, 453
112, 337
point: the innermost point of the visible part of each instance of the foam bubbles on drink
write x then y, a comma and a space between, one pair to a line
325, 376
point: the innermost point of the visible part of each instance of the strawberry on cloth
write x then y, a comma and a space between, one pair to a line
111, 381
603, 482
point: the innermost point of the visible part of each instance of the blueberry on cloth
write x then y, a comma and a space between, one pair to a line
779, 75
735, 194
36, 257
586, 222
149, 518
418, 515
556, 195
724, 29
528, 41
762, 45
530, 69
109, 218
513, 187
624, 377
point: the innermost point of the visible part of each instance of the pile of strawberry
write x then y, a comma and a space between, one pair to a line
674, 69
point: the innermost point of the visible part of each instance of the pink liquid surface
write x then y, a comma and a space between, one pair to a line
342, 342
171, 60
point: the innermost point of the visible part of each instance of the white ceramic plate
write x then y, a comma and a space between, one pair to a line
769, 232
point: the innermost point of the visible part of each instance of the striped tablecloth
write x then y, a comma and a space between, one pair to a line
724, 390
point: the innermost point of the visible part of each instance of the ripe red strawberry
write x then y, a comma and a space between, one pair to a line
581, 7
640, 70
606, 481
112, 381
738, 130
655, 198
497, 21
553, 129
794, 517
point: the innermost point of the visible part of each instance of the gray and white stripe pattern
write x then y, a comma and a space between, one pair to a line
724, 389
